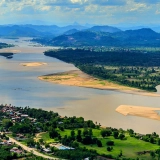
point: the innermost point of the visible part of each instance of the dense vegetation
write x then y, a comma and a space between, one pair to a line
131, 68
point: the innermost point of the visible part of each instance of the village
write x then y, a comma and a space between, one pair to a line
13, 115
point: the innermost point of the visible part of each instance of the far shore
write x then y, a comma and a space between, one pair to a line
140, 111
81, 79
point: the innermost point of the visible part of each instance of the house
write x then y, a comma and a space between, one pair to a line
16, 150
24, 116
47, 150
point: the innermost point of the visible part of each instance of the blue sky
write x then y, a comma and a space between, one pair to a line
102, 12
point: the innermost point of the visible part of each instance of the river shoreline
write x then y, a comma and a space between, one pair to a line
80, 79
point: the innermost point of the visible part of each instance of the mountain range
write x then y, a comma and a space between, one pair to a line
141, 37
77, 35
47, 30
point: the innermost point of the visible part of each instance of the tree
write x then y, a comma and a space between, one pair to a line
103, 133
41, 141
6, 123
85, 131
79, 132
115, 134
110, 143
120, 154
151, 140
99, 143
72, 133
53, 133
109, 149
90, 132
152, 154
46, 145
30, 142
121, 136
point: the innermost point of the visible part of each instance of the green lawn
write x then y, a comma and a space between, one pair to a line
46, 138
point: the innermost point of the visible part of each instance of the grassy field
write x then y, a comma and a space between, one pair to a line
129, 147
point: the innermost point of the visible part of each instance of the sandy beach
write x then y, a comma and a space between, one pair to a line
140, 111
81, 79
33, 64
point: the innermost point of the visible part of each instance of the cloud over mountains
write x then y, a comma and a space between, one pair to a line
83, 11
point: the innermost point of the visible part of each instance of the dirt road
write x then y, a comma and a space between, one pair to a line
32, 150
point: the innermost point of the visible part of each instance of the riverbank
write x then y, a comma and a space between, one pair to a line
140, 111
81, 79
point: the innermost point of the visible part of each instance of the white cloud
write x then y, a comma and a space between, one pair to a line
92, 11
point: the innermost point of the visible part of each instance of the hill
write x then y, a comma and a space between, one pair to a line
19, 31
130, 38
109, 29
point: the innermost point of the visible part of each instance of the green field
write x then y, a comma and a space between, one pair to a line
129, 147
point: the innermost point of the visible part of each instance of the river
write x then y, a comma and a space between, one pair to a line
20, 86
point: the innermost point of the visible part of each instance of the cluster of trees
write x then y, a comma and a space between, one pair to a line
93, 63
86, 137
152, 138
77, 154
23, 128
39, 114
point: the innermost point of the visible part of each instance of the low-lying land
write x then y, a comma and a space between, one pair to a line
146, 112
5, 45
73, 137
33, 64
81, 79
135, 69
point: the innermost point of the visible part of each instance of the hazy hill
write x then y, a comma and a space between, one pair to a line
72, 31
36, 30
20, 31
109, 29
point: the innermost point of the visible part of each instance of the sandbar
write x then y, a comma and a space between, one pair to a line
81, 79
140, 111
33, 64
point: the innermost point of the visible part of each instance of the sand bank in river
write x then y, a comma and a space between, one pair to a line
11, 50
33, 64
80, 79
146, 112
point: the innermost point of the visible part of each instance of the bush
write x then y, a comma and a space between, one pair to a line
99, 143
109, 149
110, 143
121, 136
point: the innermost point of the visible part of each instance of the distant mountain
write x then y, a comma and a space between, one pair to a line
141, 37
36, 30
20, 31
109, 29
55, 30
83, 38
71, 31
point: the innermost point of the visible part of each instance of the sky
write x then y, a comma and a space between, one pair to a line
64, 12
